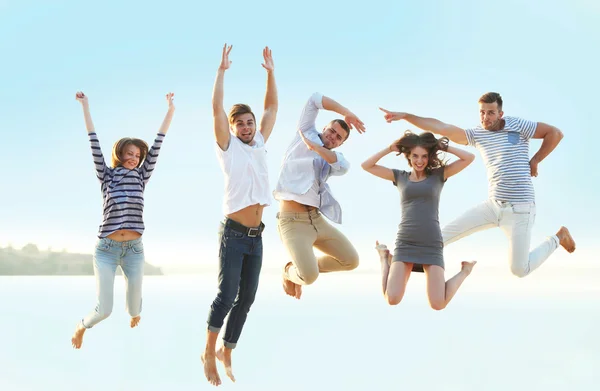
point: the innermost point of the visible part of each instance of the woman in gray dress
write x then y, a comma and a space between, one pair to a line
419, 245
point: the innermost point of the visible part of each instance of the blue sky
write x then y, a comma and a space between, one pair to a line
429, 57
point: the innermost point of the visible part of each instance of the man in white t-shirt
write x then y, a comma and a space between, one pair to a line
241, 152
304, 197
504, 146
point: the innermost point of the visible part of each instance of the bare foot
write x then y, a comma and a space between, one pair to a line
290, 288
224, 355
77, 338
467, 267
135, 321
210, 368
384, 253
565, 239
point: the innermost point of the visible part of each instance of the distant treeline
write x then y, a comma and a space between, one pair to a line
31, 261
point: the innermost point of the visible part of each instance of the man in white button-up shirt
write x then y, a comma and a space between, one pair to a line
304, 197
242, 157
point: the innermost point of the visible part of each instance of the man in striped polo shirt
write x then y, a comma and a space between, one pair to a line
504, 146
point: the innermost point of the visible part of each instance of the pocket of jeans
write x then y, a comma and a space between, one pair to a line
522, 209
231, 234
102, 246
513, 137
138, 248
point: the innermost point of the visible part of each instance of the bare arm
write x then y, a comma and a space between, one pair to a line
271, 101
370, 165
551, 137
454, 133
327, 154
221, 123
83, 99
464, 159
164, 127
351, 119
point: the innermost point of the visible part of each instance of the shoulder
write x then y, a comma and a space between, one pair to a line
517, 124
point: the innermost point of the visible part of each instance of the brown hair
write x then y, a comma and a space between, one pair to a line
491, 97
239, 109
427, 141
120, 146
344, 126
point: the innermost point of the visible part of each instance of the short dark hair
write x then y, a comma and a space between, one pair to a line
344, 126
239, 109
491, 97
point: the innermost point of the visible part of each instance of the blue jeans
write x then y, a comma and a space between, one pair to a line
108, 255
240, 262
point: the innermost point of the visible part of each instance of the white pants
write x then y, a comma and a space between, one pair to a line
516, 221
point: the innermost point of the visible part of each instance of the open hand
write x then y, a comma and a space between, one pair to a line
533, 165
390, 116
81, 97
354, 122
268, 64
170, 96
225, 63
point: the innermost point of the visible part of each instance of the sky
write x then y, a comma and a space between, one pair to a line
431, 58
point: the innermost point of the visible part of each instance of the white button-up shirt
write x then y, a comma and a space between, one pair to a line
304, 173
246, 174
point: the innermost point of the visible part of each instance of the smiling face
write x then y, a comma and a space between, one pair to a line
490, 116
334, 135
244, 127
418, 159
130, 158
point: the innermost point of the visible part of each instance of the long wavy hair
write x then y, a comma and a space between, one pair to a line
426, 140
119, 148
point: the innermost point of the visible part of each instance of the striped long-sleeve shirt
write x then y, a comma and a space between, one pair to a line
123, 189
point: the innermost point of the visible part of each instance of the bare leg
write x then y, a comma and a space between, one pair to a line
439, 292
77, 338
224, 355
209, 359
565, 239
394, 275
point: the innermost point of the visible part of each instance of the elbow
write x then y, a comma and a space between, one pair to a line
366, 166
470, 157
558, 134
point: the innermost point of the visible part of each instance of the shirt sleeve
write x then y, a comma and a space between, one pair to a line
310, 112
525, 127
439, 172
341, 166
471, 141
150, 161
397, 175
99, 162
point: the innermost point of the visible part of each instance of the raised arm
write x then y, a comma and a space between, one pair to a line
351, 119
370, 165
221, 123
99, 162
271, 101
152, 156
551, 136
454, 133
464, 159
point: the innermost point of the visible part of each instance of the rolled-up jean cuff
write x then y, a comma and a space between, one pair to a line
213, 329
84, 326
229, 345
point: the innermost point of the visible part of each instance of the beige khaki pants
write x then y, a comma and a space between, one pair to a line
300, 232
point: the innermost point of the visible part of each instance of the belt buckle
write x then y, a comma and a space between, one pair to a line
251, 233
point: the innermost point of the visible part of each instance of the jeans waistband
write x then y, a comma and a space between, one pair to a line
251, 232
126, 243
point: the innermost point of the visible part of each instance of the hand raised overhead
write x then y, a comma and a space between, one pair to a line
268, 64
391, 116
225, 63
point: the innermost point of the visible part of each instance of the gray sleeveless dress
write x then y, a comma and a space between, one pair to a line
419, 240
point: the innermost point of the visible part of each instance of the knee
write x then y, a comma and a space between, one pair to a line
519, 270
103, 313
352, 262
223, 301
393, 299
437, 305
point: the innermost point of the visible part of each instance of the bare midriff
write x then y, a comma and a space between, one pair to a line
124, 235
293, 206
250, 216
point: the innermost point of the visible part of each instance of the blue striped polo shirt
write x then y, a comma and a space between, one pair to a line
505, 154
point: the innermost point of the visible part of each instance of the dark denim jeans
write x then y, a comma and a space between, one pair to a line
240, 262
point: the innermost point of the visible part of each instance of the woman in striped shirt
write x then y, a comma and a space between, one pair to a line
120, 234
